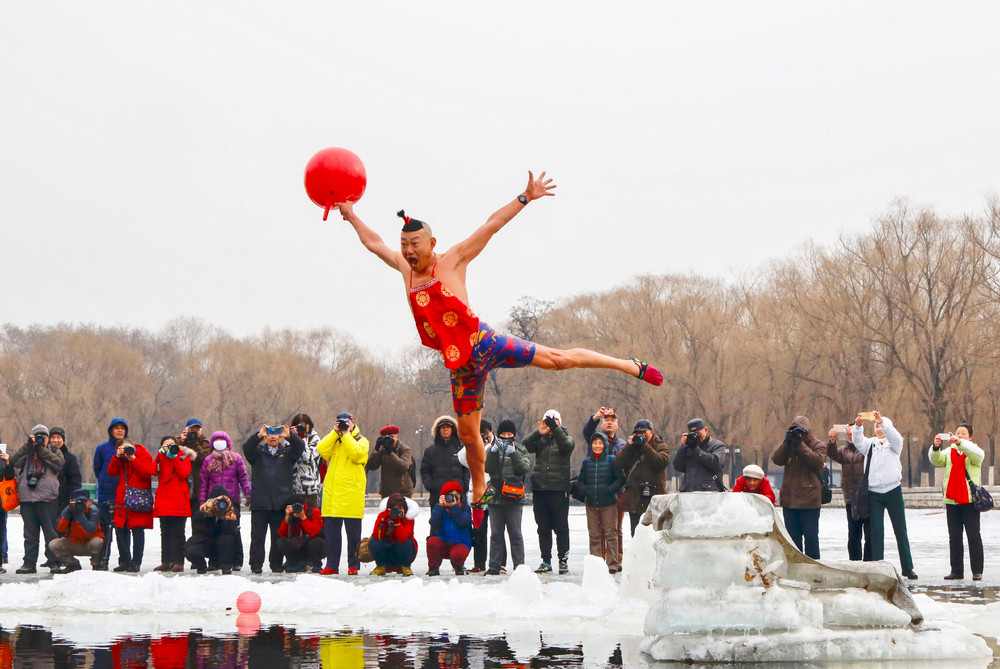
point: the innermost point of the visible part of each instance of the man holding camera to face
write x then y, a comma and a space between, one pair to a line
701, 459
552, 447
214, 533
37, 465
272, 453
395, 460
802, 455
643, 464
192, 438
80, 533
299, 535
346, 451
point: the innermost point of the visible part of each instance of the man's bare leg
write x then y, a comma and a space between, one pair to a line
475, 451
556, 359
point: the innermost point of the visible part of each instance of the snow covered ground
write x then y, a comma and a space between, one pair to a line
586, 606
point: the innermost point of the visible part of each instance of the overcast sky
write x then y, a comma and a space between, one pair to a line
152, 154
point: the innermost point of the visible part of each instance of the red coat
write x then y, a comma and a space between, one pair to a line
402, 532
312, 524
764, 489
138, 474
172, 492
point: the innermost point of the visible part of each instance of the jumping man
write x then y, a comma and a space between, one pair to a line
435, 288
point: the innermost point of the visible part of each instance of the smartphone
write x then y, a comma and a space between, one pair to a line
3, 448
945, 438
867, 415
841, 430
274, 430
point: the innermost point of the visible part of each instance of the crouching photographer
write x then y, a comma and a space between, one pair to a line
80, 533
299, 537
643, 464
392, 543
214, 533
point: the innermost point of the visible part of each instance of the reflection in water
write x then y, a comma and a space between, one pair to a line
275, 647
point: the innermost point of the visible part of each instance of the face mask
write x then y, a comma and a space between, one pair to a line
219, 445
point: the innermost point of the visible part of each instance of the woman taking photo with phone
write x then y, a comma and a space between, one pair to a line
962, 461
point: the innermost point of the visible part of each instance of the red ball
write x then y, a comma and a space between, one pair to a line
248, 602
335, 175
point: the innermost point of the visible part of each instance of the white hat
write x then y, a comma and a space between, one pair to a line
552, 413
753, 471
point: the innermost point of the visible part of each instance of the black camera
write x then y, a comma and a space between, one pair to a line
638, 439
191, 439
300, 429
129, 449
296, 509
173, 449
647, 490
342, 425
39, 440
794, 435
32, 479
396, 512
691, 439
80, 505
385, 441
550, 422
451, 497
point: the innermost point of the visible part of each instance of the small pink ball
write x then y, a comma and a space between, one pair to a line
248, 602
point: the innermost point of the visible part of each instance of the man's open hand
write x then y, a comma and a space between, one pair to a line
537, 188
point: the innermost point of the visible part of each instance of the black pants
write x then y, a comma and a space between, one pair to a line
633, 520
803, 528
38, 517
221, 550
310, 552
480, 541
262, 521
331, 530
126, 554
959, 516
551, 509
393, 554
172, 539
891, 502
107, 526
855, 529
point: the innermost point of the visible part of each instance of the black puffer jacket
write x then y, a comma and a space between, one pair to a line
271, 475
440, 462
700, 463
552, 452
70, 477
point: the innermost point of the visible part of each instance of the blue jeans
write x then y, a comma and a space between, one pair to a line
803, 527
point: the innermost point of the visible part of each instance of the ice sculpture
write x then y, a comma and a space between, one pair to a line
730, 586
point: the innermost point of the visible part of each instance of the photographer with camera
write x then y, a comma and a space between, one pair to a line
802, 456
962, 460
507, 464
191, 437
643, 464
272, 453
299, 537
885, 487
306, 479
395, 460
225, 467
214, 533
80, 533
701, 459
346, 453
392, 542
552, 447
451, 530
133, 465
107, 485
172, 504
37, 465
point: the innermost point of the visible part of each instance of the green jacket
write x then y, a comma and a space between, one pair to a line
552, 453
973, 463
501, 466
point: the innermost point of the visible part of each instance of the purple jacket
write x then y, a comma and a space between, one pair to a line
234, 478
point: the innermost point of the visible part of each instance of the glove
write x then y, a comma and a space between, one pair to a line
66, 513
509, 450
793, 438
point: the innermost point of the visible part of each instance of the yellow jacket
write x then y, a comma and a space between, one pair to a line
344, 485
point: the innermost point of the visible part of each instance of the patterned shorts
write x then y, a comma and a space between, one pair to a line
491, 351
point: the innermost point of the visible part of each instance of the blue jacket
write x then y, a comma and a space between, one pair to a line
452, 524
599, 479
107, 485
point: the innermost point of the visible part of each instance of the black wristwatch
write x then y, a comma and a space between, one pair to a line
522, 198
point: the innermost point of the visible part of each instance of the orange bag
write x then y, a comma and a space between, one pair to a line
8, 494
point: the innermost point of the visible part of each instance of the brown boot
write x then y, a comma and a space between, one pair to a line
163, 567
178, 567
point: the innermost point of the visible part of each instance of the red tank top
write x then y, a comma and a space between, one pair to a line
443, 321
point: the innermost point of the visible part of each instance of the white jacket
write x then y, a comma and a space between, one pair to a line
886, 471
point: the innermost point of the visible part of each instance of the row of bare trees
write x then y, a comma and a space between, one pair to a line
902, 318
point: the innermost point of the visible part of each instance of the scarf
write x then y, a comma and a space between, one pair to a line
957, 490
219, 461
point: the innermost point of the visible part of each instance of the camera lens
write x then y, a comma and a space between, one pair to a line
174, 449
296, 508
129, 450
223, 504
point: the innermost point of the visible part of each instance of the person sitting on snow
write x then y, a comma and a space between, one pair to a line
753, 480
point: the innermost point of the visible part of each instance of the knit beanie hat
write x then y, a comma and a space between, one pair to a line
507, 425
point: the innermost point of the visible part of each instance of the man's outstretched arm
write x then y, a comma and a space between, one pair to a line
476, 242
371, 239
